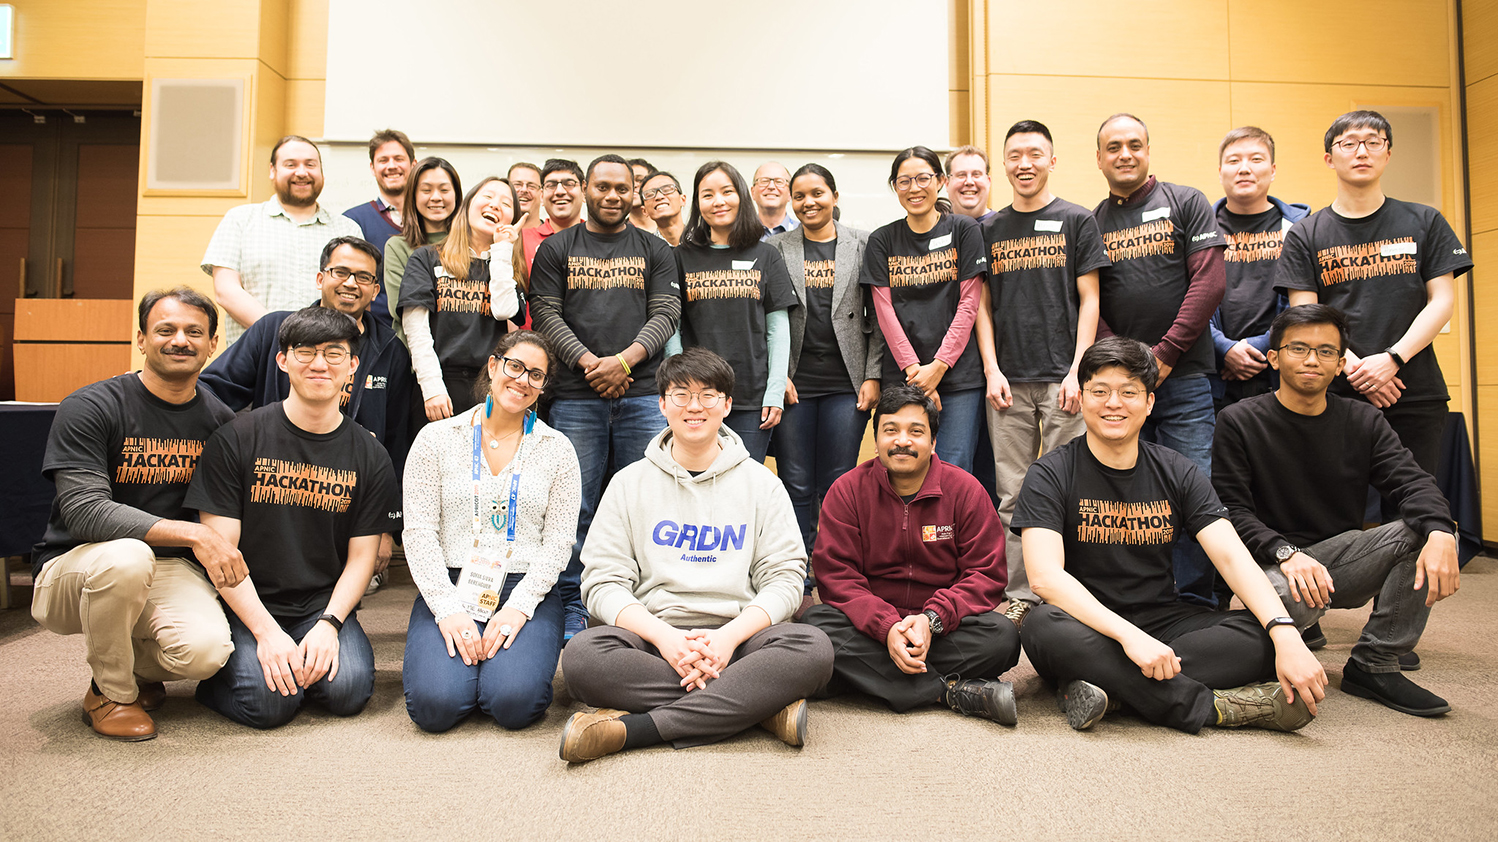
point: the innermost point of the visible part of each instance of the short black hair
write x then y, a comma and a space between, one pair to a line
641, 162
315, 325
1359, 120
358, 243
1308, 314
558, 165
697, 365
1131, 355
820, 172
609, 158
185, 294
746, 229
502, 347
1032, 127
661, 174
896, 398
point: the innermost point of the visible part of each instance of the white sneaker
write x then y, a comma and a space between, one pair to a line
374, 583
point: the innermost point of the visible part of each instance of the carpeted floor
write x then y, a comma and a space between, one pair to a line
1360, 771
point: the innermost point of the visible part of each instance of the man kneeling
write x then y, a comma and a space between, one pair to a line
693, 560
910, 566
305, 493
1098, 517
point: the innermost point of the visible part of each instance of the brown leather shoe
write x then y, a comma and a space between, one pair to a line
589, 736
789, 723
152, 695
128, 723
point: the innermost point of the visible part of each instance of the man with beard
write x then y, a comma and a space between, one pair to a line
525, 177
605, 295
123, 563
262, 255
390, 159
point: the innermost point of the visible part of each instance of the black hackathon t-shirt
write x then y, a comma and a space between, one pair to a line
605, 283
820, 370
1118, 528
147, 447
1140, 295
924, 274
464, 330
1034, 258
299, 497
725, 295
1250, 302
1374, 269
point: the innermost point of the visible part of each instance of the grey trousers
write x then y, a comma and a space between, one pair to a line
1363, 564
607, 666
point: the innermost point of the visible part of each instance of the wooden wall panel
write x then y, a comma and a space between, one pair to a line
78, 39
1165, 39
1482, 151
104, 262
169, 250
1480, 28
307, 40
49, 373
1296, 41
191, 29
1487, 458
275, 17
304, 106
59, 320
1183, 141
1484, 250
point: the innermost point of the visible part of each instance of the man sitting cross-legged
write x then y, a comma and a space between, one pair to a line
1293, 468
694, 561
1098, 517
910, 566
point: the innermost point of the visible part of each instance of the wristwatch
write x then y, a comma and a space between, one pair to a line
1394, 355
1283, 553
935, 620
336, 623
1278, 621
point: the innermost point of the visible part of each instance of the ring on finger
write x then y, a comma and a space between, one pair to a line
467, 635
506, 630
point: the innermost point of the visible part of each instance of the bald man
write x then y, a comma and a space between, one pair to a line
772, 196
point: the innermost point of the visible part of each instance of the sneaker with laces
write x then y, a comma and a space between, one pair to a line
1260, 706
374, 583
788, 723
1017, 610
572, 623
589, 736
1392, 690
1083, 703
981, 697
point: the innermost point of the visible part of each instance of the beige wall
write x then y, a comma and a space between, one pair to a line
1480, 33
78, 39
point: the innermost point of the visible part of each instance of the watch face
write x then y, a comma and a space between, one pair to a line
1284, 553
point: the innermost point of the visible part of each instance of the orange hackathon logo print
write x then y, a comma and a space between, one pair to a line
1048, 252
723, 283
278, 482
150, 461
933, 268
1253, 247
1361, 261
455, 296
1151, 238
609, 273
819, 274
1113, 522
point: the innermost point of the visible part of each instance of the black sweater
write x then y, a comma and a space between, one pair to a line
1299, 479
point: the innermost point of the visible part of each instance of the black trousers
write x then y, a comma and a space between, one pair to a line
1217, 650
1419, 426
982, 646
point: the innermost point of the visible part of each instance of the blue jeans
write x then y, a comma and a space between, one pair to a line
816, 442
962, 422
1183, 421
238, 690
592, 425
514, 686
746, 423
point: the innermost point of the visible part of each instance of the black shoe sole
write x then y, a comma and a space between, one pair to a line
1353, 689
1083, 703
1314, 643
1413, 663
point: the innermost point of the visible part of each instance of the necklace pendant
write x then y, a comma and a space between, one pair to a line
494, 445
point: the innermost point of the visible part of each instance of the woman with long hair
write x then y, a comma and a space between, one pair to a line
836, 351
736, 294
491, 503
432, 194
926, 272
458, 295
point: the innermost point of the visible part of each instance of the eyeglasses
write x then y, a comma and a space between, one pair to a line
905, 182
343, 273
1128, 394
968, 175
515, 369
668, 190
766, 181
1300, 350
707, 400
564, 183
305, 354
525, 185
1350, 146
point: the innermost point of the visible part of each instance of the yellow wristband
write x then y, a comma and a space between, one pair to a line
620, 358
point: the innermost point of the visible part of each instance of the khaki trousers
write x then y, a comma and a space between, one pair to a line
143, 618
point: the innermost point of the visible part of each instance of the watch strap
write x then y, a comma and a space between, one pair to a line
1278, 621
935, 620
336, 623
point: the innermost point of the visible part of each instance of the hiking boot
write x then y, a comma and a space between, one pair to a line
1260, 706
1313, 637
1017, 610
980, 697
1392, 689
589, 736
788, 723
1083, 703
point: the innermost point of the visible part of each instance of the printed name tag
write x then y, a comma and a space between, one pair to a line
1157, 213
1050, 224
1391, 249
745, 264
939, 242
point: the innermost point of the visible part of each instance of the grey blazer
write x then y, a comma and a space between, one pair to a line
858, 336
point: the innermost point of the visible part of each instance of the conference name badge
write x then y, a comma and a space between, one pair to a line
479, 585
1157, 213
1396, 249
744, 265
1052, 225
939, 242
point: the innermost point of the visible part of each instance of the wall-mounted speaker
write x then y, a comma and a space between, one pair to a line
197, 134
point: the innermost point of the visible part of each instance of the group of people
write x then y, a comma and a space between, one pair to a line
567, 422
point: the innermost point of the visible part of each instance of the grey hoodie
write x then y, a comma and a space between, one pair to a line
695, 551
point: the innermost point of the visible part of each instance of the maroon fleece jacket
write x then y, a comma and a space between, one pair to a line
879, 559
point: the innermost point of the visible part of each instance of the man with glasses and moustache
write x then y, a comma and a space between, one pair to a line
771, 191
